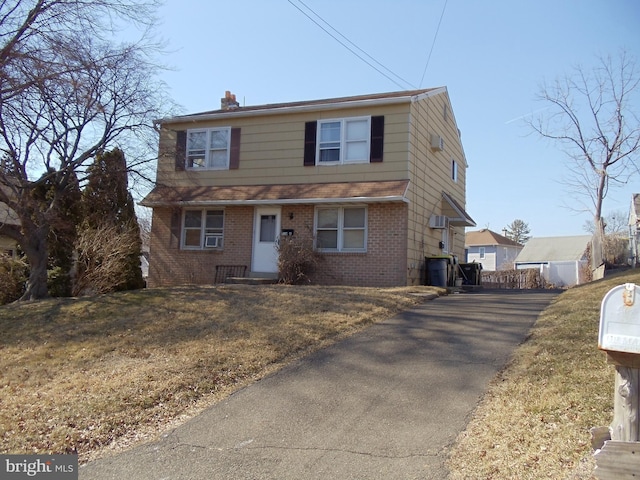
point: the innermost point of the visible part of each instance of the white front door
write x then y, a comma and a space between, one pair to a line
266, 233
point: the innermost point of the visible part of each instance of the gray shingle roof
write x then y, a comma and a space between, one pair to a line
549, 249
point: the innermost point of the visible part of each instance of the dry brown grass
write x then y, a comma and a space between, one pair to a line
534, 421
100, 373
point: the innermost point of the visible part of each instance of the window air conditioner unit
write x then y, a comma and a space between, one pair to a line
439, 221
437, 143
213, 241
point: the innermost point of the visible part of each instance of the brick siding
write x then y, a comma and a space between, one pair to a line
169, 265
384, 264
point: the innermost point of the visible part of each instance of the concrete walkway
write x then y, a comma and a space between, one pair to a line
386, 403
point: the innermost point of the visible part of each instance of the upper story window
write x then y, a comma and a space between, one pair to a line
344, 141
202, 229
208, 148
454, 170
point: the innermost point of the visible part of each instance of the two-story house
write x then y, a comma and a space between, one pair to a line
377, 181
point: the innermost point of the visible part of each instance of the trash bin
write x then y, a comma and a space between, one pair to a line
471, 273
437, 271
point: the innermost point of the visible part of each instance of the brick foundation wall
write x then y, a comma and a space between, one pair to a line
168, 265
384, 264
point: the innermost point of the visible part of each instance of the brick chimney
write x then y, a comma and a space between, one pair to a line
229, 101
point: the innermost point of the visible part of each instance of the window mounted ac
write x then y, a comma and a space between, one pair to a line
213, 241
437, 143
439, 221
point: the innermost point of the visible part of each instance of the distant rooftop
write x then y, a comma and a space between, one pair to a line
554, 249
486, 237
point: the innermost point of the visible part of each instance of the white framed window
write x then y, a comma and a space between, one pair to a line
341, 229
454, 170
345, 140
202, 229
208, 148
482, 252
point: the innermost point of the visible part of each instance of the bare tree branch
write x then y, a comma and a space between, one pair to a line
592, 118
67, 92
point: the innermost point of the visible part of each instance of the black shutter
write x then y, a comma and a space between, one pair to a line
234, 154
176, 228
377, 139
310, 143
181, 150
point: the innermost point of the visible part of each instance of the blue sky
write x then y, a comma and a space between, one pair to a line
491, 55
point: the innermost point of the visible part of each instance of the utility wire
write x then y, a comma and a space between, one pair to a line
406, 83
433, 43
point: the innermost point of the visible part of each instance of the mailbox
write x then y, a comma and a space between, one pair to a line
620, 320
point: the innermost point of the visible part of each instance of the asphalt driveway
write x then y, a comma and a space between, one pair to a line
386, 403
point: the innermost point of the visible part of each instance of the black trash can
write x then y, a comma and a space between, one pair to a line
437, 271
471, 273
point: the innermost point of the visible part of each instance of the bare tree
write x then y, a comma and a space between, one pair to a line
592, 114
615, 223
67, 93
616, 236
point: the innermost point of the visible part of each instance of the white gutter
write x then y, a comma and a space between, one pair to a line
430, 93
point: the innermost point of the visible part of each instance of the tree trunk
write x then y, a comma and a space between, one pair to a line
597, 250
36, 250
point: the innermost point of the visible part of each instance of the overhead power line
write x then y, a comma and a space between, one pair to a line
435, 36
348, 44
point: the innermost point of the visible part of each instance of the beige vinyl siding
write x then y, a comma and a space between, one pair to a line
272, 149
430, 171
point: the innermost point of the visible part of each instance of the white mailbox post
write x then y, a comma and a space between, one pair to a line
619, 337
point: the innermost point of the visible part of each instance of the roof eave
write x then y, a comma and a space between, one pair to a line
285, 201
310, 107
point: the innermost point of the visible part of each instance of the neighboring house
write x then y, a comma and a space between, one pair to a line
8, 246
377, 181
562, 260
634, 230
492, 250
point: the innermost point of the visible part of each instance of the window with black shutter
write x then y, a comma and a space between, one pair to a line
344, 141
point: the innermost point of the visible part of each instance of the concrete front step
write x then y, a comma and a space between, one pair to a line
251, 280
